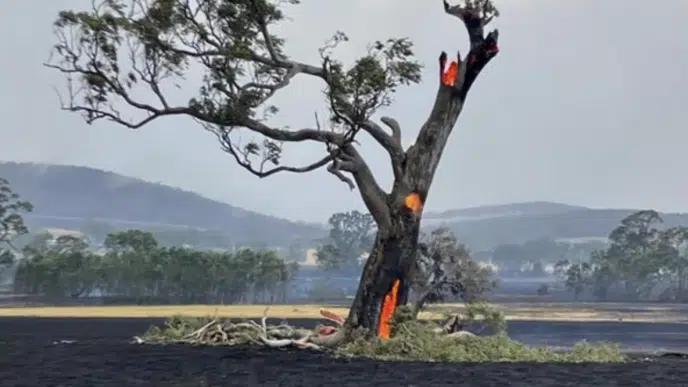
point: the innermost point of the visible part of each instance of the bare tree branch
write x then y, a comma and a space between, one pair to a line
395, 127
455, 83
374, 197
243, 159
390, 143
336, 170
475, 15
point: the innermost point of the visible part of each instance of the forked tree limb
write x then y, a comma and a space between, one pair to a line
91, 57
393, 124
391, 143
155, 113
197, 35
423, 157
473, 17
374, 197
242, 159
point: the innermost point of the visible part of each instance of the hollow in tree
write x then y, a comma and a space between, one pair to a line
121, 58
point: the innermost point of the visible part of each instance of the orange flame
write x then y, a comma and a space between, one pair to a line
450, 74
389, 306
413, 203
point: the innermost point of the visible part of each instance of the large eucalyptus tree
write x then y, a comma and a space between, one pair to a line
121, 56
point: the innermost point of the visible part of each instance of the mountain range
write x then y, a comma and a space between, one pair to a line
70, 197
73, 197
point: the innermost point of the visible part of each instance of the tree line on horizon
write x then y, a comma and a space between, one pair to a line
133, 267
640, 262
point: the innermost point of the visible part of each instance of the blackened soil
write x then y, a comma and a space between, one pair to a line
96, 352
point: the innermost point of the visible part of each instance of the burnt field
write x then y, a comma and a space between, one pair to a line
96, 352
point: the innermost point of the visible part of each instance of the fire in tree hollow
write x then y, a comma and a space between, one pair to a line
413, 203
389, 306
449, 76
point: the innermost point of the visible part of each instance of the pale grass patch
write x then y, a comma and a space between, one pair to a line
581, 312
230, 311
537, 312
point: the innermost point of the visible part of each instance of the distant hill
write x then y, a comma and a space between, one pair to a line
489, 226
74, 198
502, 210
68, 196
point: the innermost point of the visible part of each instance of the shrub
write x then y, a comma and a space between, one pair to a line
412, 340
417, 341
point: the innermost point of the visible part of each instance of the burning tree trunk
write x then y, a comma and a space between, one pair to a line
116, 47
396, 244
390, 260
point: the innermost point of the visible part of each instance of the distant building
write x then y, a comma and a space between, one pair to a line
311, 258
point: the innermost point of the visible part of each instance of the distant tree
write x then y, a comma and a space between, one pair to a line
578, 277
351, 234
543, 290
121, 58
133, 240
639, 259
12, 209
445, 269
58, 267
674, 254
136, 269
560, 269
633, 252
7, 260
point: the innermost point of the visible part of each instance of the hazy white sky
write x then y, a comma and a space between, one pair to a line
581, 106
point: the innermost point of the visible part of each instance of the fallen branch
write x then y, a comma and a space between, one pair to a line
227, 332
199, 331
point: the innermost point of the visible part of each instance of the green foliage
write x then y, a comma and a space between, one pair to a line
11, 210
175, 328
412, 340
485, 315
12, 226
639, 259
369, 84
416, 341
486, 8
134, 241
6, 258
445, 269
351, 234
125, 54
215, 331
135, 266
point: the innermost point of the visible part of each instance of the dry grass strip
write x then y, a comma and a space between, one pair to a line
587, 312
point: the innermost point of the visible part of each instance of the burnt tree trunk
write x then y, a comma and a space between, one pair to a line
394, 252
391, 259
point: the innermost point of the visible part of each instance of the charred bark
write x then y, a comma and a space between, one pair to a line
392, 257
